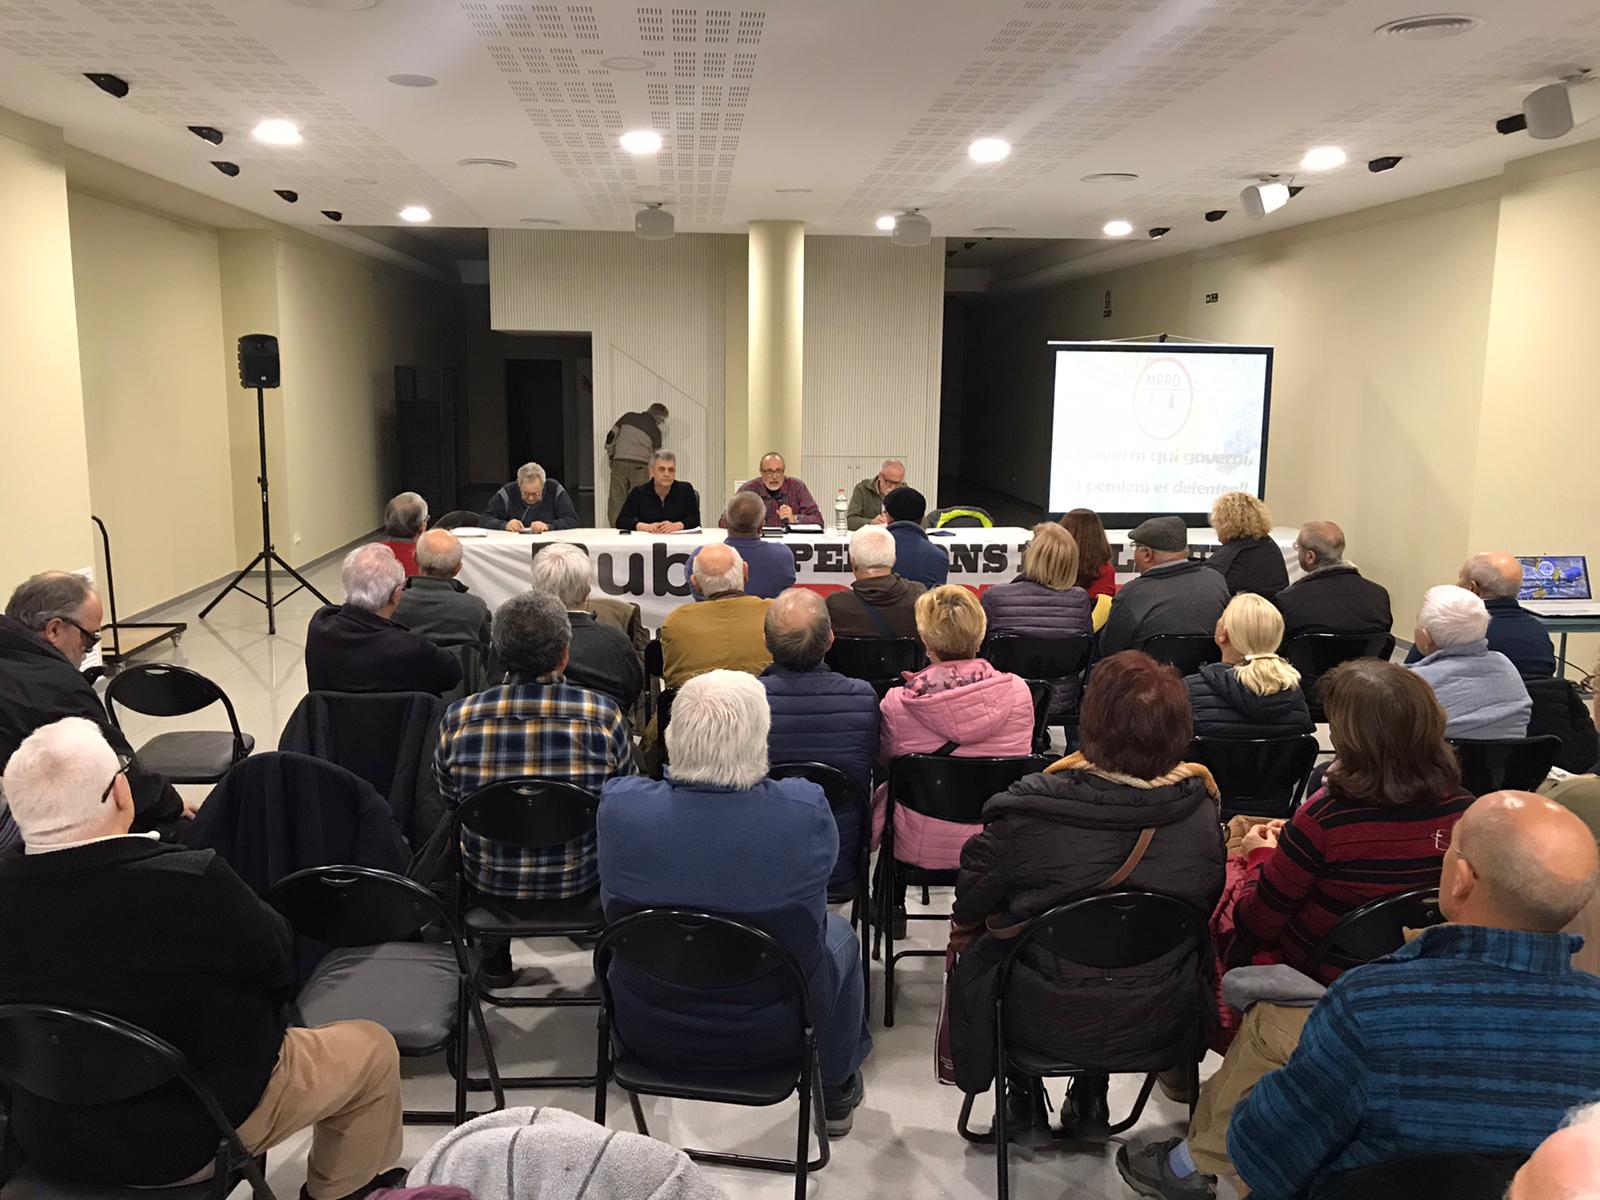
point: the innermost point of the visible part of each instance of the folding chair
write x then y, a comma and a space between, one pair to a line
1258, 777
878, 660
1187, 652
1315, 654
1459, 1176
165, 690
1376, 929
1049, 660
1517, 764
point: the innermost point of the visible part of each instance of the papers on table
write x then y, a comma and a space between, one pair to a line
470, 531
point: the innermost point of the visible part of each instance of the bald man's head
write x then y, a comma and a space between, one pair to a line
1494, 576
1518, 861
1322, 542
718, 569
439, 554
798, 629
1566, 1165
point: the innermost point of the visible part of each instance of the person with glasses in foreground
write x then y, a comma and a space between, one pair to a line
51, 623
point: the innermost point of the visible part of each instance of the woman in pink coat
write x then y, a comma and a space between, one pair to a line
960, 699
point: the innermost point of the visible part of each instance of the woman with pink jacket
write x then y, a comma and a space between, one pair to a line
960, 701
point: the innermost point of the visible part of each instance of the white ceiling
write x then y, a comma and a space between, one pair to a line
869, 104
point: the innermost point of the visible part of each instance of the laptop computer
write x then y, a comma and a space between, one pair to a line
1557, 585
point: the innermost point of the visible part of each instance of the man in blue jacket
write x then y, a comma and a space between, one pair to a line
915, 557
1496, 578
530, 503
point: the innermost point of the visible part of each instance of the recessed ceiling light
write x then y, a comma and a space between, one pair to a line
415, 213
885, 223
505, 164
360, 181
625, 62
1117, 228
640, 141
1323, 158
1109, 177
539, 220
792, 191
417, 81
276, 132
994, 230
988, 150
1430, 27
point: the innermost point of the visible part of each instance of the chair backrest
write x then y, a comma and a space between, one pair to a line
529, 813
1376, 929
1459, 1176
1115, 930
473, 658
878, 660
1188, 652
1560, 711
955, 789
455, 519
1035, 657
1261, 777
844, 793
356, 906
165, 690
654, 660
1314, 654
703, 951
1519, 764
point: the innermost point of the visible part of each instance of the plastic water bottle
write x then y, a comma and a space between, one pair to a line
841, 505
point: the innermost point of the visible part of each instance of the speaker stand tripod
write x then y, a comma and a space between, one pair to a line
268, 555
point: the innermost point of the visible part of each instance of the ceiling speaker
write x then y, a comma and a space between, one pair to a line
1557, 108
912, 229
653, 224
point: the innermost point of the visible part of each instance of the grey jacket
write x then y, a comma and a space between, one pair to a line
1481, 692
1180, 597
443, 611
551, 1154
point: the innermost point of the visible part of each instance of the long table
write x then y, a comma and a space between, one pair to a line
651, 569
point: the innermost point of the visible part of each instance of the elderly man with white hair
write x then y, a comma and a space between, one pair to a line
725, 631
1496, 578
170, 939
530, 503
879, 602
721, 835
601, 657
404, 519
357, 646
1482, 694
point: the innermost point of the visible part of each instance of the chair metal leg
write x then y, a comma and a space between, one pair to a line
803, 1139
886, 907
638, 1114
602, 1069
1138, 1106
864, 901
462, 1051
1002, 1168
496, 1085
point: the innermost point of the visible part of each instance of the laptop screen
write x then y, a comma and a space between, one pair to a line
1554, 577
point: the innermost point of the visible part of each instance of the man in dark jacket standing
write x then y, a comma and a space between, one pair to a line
51, 621
1173, 594
356, 647
1332, 597
532, 503
915, 557
630, 442
1496, 578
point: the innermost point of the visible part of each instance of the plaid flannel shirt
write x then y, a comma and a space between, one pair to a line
549, 728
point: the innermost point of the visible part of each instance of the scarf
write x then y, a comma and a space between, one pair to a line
1184, 770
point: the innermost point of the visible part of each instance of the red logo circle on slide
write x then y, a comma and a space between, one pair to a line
1163, 398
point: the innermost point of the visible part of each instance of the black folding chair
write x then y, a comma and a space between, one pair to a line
85, 1059
1053, 661
455, 519
378, 970
1375, 929
946, 788
1560, 711
1517, 764
1258, 777
1109, 932
1459, 1176
703, 952
165, 690
1315, 654
527, 815
846, 795
878, 660
1188, 652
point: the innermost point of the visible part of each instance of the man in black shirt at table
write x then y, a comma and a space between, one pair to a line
663, 505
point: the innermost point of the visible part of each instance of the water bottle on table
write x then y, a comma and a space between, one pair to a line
841, 505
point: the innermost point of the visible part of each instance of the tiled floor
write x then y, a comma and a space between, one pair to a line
904, 1143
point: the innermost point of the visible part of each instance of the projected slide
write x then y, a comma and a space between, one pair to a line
1142, 428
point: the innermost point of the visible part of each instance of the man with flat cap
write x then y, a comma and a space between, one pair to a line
1173, 594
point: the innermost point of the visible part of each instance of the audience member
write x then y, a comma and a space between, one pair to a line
771, 563
1173, 594
357, 647
1044, 601
435, 603
531, 503
1252, 692
787, 499
879, 603
723, 633
818, 715
631, 443
600, 657
1496, 579
536, 723
1249, 559
866, 499
916, 557
1475, 1037
404, 519
51, 623
1125, 811
1566, 1165
721, 835
95, 917
1482, 694
662, 504
1332, 597
1096, 574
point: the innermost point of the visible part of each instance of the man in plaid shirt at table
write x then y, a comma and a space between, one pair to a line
535, 723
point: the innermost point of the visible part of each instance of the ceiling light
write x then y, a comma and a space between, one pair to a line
111, 85
333, 214
995, 230
539, 220
413, 81
1259, 199
988, 150
230, 169
1430, 27
360, 181
207, 134
885, 223
1387, 163
415, 213
276, 132
505, 164
1159, 231
1109, 177
1216, 214
1323, 158
640, 141
1117, 228
627, 63
792, 191
287, 195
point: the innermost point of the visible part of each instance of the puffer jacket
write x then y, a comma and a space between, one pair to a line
1480, 691
1225, 708
1034, 610
1057, 836
985, 712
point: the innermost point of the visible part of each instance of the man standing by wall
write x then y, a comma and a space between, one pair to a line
629, 444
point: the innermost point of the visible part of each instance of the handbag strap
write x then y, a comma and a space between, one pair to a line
873, 615
1129, 863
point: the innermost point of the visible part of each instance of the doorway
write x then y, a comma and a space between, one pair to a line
549, 410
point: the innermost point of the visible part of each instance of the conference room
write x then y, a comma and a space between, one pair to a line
881, 597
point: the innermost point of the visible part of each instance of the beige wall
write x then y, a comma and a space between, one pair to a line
44, 474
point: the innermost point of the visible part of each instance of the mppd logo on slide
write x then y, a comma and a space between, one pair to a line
1163, 398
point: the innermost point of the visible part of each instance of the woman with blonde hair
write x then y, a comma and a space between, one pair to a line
1249, 559
1252, 692
1045, 600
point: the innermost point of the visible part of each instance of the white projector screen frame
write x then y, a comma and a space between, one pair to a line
1127, 516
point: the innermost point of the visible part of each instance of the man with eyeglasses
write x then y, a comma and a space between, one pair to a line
51, 623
